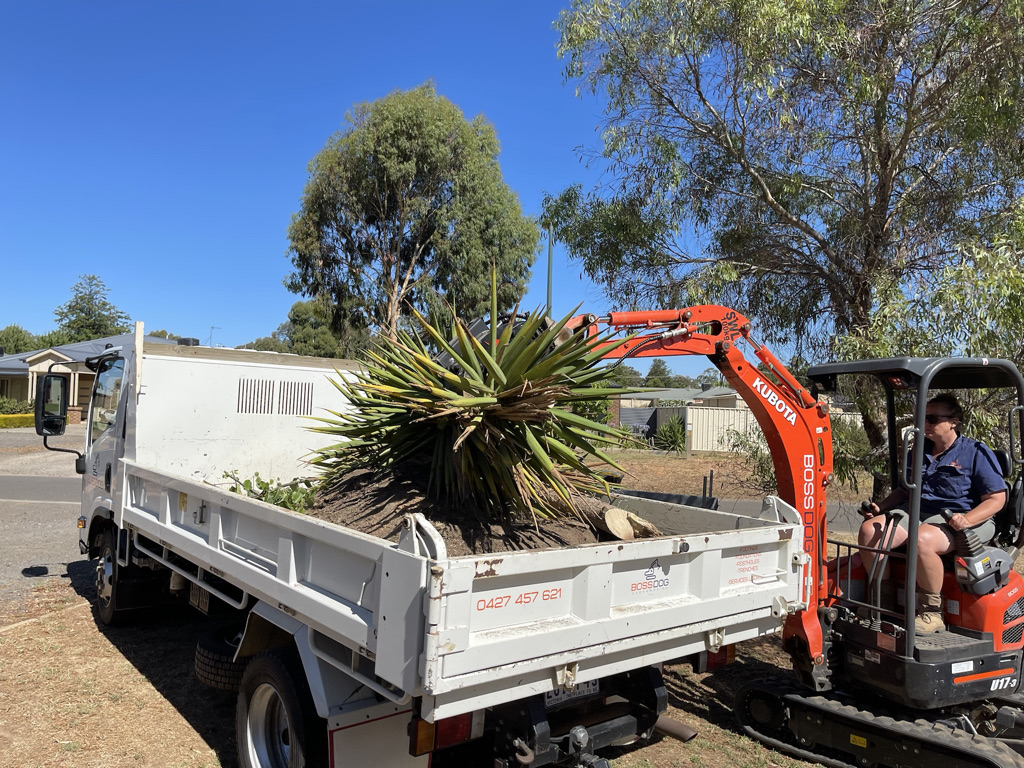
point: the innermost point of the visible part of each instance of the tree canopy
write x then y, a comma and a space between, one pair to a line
404, 206
15, 339
658, 375
88, 314
308, 332
802, 161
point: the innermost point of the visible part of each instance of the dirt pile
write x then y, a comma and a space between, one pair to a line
377, 503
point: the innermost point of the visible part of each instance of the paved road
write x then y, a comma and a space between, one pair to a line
842, 518
39, 507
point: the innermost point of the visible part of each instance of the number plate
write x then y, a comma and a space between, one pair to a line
554, 698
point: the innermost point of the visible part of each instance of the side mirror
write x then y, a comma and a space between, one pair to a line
51, 405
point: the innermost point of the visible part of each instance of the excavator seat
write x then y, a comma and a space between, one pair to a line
1010, 518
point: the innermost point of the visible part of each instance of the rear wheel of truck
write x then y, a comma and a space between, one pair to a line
107, 575
276, 725
215, 658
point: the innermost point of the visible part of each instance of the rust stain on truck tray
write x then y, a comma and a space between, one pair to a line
486, 568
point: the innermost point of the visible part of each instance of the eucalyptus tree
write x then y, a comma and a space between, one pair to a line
407, 208
802, 160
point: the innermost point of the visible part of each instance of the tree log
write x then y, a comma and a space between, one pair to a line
620, 523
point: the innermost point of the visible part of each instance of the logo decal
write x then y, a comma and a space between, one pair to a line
654, 578
774, 400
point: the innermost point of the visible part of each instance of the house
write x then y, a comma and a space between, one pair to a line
713, 397
20, 372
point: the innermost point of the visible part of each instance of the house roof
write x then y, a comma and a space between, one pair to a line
17, 365
690, 393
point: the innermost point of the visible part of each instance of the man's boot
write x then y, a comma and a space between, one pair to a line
929, 613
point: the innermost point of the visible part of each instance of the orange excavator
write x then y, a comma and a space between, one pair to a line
868, 692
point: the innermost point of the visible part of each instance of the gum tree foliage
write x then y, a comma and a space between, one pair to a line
658, 375
54, 338
406, 204
88, 314
14, 339
974, 307
627, 376
308, 331
803, 160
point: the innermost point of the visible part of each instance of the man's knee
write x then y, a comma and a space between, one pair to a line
933, 540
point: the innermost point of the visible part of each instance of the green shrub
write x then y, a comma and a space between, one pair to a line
9, 406
297, 495
17, 420
634, 437
671, 436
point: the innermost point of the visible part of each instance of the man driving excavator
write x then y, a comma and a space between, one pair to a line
960, 475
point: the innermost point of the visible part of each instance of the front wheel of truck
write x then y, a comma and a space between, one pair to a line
107, 574
276, 724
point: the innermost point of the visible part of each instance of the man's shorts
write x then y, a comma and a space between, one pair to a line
986, 531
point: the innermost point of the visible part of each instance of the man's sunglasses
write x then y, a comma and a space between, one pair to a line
935, 418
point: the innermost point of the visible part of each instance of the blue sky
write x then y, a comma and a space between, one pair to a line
163, 146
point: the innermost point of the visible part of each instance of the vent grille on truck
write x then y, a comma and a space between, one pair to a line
260, 396
255, 396
295, 398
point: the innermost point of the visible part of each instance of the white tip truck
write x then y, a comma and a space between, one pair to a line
356, 651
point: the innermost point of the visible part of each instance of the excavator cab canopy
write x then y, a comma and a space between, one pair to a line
902, 373
921, 378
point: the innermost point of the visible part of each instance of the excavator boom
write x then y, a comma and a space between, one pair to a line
795, 425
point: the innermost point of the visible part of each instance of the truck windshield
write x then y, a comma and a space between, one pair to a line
105, 397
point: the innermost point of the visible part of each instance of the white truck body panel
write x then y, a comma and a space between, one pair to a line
462, 633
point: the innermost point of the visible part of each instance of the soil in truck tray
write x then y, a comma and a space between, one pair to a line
377, 503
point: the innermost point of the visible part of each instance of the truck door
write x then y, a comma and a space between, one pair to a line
105, 430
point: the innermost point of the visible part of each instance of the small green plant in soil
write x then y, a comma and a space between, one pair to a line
297, 495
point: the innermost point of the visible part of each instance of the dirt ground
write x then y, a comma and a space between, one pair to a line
76, 694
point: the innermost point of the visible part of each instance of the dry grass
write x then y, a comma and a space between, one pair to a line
73, 694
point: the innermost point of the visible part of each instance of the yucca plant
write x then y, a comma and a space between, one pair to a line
489, 419
671, 436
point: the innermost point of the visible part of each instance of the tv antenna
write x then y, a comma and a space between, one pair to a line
209, 342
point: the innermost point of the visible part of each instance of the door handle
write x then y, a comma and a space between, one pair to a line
106, 477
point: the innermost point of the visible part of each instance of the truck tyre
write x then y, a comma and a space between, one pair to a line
215, 658
276, 725
107, 574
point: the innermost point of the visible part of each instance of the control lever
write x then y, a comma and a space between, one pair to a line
980, 570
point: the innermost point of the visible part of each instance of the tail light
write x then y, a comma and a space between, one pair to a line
705, 661
425, 737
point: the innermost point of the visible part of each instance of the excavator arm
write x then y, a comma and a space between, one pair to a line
795, 425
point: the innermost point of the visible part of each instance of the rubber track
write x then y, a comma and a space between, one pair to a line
950, 747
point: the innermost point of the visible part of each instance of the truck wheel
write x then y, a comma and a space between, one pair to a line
215, 658
107, 575
276, 725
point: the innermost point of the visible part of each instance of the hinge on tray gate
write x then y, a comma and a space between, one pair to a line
199, 516
715, 640
782, 607
566, 676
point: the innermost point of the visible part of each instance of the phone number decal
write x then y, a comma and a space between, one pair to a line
523, 598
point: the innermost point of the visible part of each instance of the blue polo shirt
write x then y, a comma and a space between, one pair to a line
958, 478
